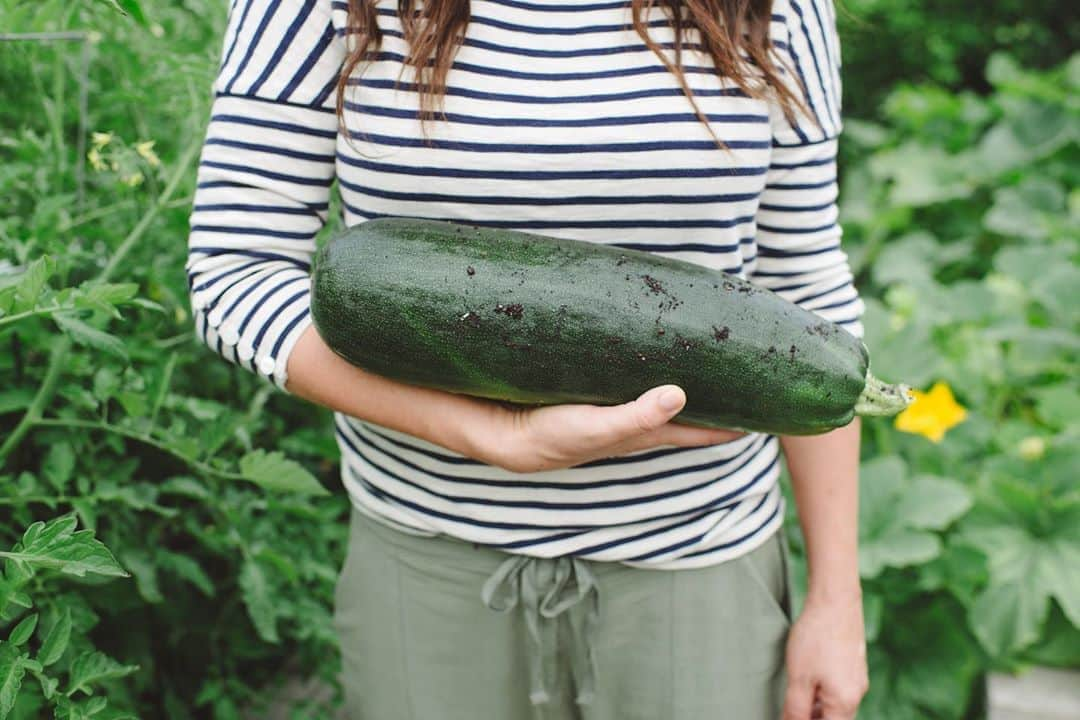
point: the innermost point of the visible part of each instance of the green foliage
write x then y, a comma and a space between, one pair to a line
945, 42
963, 225
172, 528
135, 473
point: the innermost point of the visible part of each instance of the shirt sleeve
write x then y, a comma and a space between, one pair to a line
263, 184
798, 235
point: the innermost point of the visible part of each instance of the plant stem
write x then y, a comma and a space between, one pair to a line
41, 398
63, 345
166, 380
28, 313
143, 438
22, 499
151, 213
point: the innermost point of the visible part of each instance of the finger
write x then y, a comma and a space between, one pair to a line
841, 705
688, 436
652, 409
798, 700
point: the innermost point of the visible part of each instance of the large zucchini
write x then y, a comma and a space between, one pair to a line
532, 319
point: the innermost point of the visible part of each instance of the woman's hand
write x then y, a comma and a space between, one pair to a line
826, 660
561, 436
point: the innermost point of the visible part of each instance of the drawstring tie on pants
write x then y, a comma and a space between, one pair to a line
562, 582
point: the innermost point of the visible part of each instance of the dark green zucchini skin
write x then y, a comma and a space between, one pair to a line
532, 319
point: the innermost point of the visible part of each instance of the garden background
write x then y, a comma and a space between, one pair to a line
160, 562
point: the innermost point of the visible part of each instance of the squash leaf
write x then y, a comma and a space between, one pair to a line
897, 515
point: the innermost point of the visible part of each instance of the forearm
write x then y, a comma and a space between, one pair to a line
317, 374
825, 479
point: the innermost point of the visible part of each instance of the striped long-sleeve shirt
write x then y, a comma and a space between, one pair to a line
559, 120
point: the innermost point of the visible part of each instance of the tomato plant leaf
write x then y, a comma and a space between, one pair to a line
32, 284
22, 632
56, 545
58, 465
186, 568
90, 336
261, 605
56, 640
92, 667
11, 675
274, 472
17, 399
48, 685
139, 562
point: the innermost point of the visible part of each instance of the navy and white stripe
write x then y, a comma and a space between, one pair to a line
558, 120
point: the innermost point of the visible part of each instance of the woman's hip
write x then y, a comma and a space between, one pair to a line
439, 629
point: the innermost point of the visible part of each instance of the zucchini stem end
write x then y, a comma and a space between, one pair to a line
881, 398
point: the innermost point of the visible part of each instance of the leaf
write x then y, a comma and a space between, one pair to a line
186, 486
48, 685
873, 608
17, 399
908, 259
93, 667
1007, 616
105, 296
84, 334
56, 641
58, 465
56, 545
32, 284
906, 352
186, 568
1026, 571
140, 564
22, 632
932, 503
261, 606
131, 8
895, 514
1026, 210
11, 675
274, 472
940, 661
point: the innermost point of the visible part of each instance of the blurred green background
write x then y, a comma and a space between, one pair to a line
158, 563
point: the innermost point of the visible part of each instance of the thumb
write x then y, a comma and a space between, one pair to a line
798, 701
656, 406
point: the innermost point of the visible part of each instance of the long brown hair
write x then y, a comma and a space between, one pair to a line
727, 28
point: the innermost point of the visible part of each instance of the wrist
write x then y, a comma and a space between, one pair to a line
484, 428
845, 590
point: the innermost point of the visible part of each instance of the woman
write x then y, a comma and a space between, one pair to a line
571, 561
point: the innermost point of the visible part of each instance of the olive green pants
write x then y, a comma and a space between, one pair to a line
440, 629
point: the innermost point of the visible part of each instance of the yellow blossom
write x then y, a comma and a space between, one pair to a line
133, 179
146, 151
1032, 448
95, 159
932, 413
101, 139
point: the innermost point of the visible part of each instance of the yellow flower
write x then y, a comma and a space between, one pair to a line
101, 139
1032, 448
95, 159
133, 179
146, 151
932, 413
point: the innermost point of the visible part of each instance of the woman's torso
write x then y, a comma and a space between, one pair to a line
561, 121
